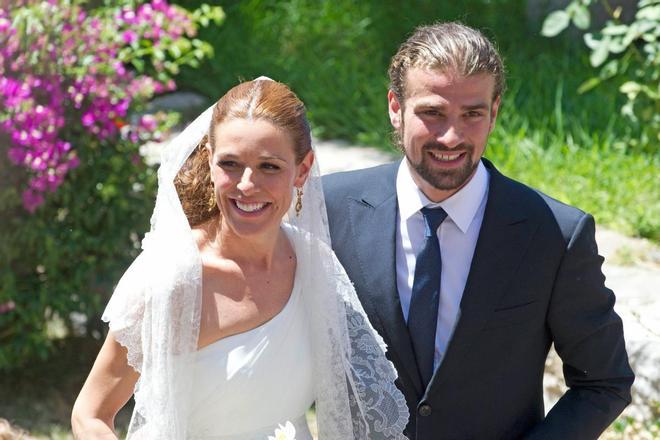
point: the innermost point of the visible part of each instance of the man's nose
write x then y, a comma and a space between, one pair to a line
450, 136
247, 184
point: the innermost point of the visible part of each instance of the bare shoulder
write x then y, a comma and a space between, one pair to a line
202, 235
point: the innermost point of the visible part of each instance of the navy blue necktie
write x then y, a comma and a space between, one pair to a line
423, 312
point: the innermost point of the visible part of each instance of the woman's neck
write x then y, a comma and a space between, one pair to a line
256, 251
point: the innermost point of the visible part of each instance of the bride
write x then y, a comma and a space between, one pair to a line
237, 316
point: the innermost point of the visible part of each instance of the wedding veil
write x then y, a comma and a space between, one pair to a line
154, 313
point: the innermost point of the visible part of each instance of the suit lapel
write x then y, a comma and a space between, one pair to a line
373, 219
503, 240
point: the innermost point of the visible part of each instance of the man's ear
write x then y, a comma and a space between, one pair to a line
493, 113
395, 110
303, 169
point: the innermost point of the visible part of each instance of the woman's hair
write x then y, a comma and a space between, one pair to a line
261, 99
8, 432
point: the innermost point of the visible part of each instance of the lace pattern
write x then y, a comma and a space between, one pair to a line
155, 313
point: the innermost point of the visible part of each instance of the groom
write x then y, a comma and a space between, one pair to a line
468, 275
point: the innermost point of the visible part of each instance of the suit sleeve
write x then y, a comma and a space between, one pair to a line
588, 336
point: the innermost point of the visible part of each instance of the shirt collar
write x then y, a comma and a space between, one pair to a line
461, 207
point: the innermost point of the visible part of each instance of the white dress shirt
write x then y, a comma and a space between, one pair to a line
457, 235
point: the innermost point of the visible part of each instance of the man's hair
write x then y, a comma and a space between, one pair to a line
446, 47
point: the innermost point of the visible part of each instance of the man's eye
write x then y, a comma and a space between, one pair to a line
270, 167
430, 112
474, 114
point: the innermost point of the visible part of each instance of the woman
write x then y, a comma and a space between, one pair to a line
236, 316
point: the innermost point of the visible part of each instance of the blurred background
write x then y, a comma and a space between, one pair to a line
90, 89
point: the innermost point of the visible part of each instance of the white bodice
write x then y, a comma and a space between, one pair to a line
247, 384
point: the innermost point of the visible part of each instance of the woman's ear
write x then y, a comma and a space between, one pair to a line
209, 153
303, 169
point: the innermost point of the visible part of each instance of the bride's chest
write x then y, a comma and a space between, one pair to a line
236, 304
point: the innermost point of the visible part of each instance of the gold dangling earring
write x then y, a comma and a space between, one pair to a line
299, 195
212, 203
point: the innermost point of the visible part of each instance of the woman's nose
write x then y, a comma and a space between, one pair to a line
247, 184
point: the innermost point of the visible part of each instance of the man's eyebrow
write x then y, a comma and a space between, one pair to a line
478, 106
430, 104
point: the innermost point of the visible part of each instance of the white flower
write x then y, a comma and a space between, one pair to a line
286, 432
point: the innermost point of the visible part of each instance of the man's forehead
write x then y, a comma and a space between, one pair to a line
425, 79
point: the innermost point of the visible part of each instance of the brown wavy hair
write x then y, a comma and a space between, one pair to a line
252, 100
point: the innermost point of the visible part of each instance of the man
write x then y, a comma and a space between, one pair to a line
470, 308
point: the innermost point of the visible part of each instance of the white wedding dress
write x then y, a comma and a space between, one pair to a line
247, 384
319, 349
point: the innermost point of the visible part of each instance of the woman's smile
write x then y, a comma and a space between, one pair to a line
250, 208
254, 171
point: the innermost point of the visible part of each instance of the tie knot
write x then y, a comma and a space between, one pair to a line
433, 217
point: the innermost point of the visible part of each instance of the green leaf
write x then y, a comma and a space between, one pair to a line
630, 88
581, 17
159, 54
652, 94
174, 50
589, 84
138, 64
615, 29
616, 45
609, 70
599, 55
651, 13
628, 111
644, 3
591, 41
554, 23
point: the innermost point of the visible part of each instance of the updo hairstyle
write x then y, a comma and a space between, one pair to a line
260, 99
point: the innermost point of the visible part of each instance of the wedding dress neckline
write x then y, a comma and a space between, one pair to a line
261, 327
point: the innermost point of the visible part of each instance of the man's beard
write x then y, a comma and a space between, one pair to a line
440, 179
444, 179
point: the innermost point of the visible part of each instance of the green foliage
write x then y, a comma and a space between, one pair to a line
620, 189
576, 12
633, 51
335, 56
59, 264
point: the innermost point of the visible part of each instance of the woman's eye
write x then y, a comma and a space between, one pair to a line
227, 164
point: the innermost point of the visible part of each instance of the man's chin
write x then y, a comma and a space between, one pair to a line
446, 180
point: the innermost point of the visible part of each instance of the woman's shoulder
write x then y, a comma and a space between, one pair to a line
204, 235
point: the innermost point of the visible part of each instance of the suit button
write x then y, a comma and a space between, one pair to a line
424, 410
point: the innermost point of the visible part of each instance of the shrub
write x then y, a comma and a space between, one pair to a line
627, 54
335, 55
74, 191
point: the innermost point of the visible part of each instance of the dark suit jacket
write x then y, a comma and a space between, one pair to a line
535, 280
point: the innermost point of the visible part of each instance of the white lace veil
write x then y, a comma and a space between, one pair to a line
155, 313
